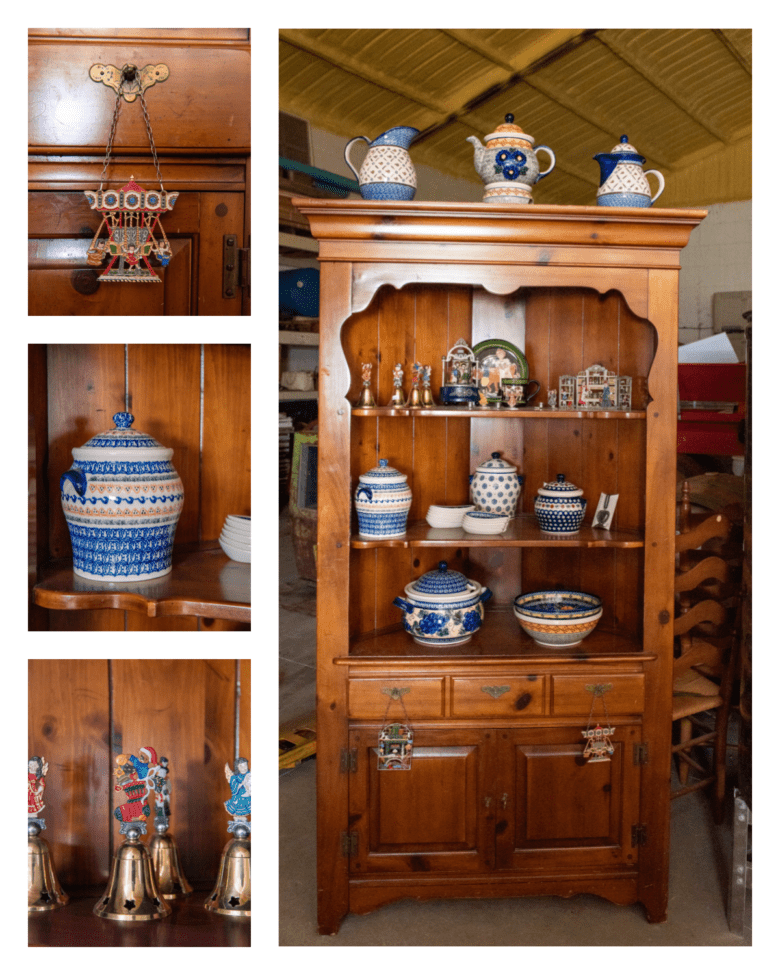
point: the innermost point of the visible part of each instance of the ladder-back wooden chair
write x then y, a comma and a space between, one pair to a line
705, 626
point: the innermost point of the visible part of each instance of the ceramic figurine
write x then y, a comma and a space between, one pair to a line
122, 499
623, 181
387, 172
37, 770
495, 486
135, 778
427, 395
382, 501
507, 163
239, 778
552, 399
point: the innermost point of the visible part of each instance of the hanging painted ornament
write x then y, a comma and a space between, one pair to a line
131, 215
598, 747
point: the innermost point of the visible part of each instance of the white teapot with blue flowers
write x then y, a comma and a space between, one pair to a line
507, 163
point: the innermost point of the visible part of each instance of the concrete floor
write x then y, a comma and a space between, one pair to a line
699, 871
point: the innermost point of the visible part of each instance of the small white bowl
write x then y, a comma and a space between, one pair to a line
229, 533
241, 543
239, 523
485, 523
447, 515
234, 552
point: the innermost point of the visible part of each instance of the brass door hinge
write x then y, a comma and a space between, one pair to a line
236, 266
349, 760
349, 844
638, 834
641, 753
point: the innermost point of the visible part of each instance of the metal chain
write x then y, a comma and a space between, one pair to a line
111, 137
151, 140
113, 132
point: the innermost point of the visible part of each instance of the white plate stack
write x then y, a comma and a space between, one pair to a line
236, 538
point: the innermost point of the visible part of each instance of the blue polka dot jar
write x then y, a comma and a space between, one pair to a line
382, 501
560, 507
496, 486
443, 608
122, 499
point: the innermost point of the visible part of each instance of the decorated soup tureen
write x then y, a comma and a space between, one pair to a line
443, 608
122, 499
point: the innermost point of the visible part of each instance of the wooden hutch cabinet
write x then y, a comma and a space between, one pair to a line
499, 800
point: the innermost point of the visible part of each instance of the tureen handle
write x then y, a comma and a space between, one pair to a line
405, 606
77, 478
364, 490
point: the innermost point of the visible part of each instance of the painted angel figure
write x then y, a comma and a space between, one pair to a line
37, 770
239, 778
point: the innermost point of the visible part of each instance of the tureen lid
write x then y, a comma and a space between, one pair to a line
441, 582
560, 488
123, 442
508, 130
496, 463
382, 474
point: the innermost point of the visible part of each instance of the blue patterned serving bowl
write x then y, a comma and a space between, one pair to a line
443, 608
122, 499
557, 617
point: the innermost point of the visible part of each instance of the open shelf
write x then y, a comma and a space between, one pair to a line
477, 412
499, 637
522, 531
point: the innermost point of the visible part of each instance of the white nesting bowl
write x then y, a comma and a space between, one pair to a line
242, 524
447, 515
238, 553
232, 536
485, 523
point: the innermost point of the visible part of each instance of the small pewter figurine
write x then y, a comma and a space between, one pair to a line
232, 894
132, 893
43, 889
427, 395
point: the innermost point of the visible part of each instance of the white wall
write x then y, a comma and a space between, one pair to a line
717, 258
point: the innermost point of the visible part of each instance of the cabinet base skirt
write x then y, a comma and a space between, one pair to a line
366, 895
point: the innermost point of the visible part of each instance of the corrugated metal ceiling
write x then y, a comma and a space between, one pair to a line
682, 96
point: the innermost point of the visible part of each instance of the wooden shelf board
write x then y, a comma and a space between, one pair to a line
499, 640
477, 412
203, 582
522, 532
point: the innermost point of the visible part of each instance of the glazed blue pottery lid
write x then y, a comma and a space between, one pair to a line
383, 474
560, 488
496, 463
124, 442
441, 582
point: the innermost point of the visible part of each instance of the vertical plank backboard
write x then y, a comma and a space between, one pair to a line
68, 723
227, 432
163, 387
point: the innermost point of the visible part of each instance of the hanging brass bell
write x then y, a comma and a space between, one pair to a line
132, 893
232, 894
43, 889
168, 873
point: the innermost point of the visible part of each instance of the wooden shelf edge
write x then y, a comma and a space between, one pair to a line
134, 602
477, 412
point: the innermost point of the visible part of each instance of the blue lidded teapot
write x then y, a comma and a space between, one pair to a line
623, 181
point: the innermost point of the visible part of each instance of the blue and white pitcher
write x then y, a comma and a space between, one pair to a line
623, 181
387, 172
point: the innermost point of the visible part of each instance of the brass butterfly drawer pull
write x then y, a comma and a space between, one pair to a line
496, 691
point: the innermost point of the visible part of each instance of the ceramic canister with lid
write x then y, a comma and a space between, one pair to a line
559, 506
496, 486
443, 607
122, 499
382, 501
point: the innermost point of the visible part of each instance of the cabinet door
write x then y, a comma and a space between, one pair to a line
432, 817
563, 813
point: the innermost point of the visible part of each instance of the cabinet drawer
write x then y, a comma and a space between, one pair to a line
497, 696
625, 694
423, 698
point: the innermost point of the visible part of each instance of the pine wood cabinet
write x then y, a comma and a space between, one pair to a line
499, 800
